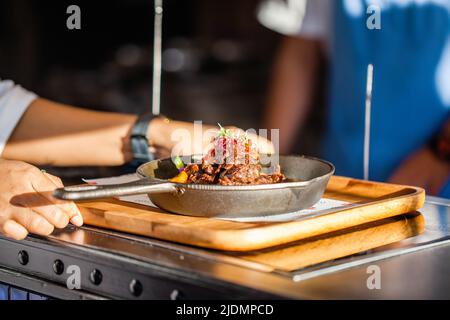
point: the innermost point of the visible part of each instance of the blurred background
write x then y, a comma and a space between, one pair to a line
216, 58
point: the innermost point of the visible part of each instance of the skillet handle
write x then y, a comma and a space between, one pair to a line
88, 192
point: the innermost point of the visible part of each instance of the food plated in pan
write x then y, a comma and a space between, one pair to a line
232, 160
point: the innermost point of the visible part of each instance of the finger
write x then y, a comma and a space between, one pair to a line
13, 230
54, 179
32, 221
41, 205
52, 214
71, 207
50, 182
38, 203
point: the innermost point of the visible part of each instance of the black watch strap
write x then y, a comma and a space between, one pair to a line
139, 142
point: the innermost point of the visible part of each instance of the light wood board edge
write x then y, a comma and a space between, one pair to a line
339, 244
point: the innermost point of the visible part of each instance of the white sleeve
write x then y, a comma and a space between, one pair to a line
14, 101
305, 18
317, 22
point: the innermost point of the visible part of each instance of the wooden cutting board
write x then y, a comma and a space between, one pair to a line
338, 244
368, 202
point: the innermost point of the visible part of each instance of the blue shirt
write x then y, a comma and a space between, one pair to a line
411, 89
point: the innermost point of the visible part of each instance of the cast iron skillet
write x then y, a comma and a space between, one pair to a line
307, 180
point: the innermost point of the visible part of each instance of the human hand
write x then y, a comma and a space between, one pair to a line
423, 169
26, 203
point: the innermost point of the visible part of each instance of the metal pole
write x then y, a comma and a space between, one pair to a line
369, 84
157, 57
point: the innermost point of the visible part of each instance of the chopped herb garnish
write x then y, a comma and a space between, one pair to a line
178, 163
224, 132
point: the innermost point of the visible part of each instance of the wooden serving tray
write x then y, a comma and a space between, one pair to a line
338, 244
369, 201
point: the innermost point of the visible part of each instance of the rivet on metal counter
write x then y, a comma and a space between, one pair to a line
96, 277
23, 257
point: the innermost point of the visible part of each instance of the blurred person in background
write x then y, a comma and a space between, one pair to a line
410, 127
42, 132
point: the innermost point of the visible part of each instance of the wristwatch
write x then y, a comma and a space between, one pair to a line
139, 142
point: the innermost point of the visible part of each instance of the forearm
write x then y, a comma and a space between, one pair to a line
292, 88
56, 134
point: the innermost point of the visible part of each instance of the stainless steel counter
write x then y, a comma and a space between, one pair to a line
418, 267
